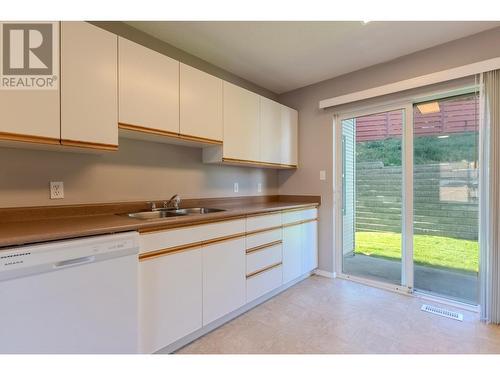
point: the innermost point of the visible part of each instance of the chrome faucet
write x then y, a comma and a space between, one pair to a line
174, 202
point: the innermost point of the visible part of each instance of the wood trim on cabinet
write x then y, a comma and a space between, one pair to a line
262, 163
169, 251
264, 246
4, 136
92, 145
144, 129
299, 222
300, 208
262, 270
162, 228
171, 226
223, 239
257, 231
185, 247
199, 139
164, 133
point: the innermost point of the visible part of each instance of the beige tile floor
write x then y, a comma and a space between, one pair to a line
321, 315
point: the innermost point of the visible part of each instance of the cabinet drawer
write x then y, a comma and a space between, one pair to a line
263, 283
294, 216
182, 236
263, 258
259, 239
263, 222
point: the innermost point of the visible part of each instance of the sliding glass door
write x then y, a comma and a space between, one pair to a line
409, 202
446, 202
372, 196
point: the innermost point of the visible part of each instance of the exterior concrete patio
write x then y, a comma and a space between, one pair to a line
457, 285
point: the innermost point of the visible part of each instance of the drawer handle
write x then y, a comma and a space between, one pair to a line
268, 268
265, 246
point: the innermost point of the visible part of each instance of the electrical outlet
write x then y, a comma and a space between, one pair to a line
322, 175
56, 190
259, 188
236, 187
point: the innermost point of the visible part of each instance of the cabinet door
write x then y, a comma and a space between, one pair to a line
149, 88
170, 298
241, 124
224, 278
309, 246
89, 85
289, 136
292, 253
270, 131
32, 115
200, 104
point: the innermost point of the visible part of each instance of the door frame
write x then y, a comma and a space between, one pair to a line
407, 194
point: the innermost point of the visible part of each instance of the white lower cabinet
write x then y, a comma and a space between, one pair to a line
170, 298
211, 276
292, 253
224, 278
309, 238
264, 282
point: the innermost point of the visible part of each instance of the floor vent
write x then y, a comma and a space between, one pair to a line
442, 312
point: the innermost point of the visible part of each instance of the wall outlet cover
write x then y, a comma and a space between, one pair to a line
259, 188
322, 175
56, 190
236, 187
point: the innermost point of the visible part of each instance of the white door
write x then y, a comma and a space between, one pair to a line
149, 88
289, 136
32, 115
292, 253
309, 246
270, 131
170, 298
224, 278
200, 104
241, 124
89, 86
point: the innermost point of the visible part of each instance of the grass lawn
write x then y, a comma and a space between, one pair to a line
433, 251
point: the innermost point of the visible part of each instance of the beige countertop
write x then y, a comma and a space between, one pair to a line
41, 229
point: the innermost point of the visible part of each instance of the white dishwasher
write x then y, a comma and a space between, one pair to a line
71, 296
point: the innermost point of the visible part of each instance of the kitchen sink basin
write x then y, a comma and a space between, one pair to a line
196, 210
161, 213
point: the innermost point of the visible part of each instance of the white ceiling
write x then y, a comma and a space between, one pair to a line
282, 56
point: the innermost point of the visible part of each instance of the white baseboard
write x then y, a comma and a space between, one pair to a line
330, 275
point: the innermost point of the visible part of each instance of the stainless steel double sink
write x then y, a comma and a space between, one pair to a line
160, 213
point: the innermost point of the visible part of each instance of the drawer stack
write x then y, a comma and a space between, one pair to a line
264, 255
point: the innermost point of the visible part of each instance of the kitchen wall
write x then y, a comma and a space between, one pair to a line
315, 125
138, 171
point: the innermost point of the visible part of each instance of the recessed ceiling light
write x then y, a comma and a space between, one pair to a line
443, 136
426, 108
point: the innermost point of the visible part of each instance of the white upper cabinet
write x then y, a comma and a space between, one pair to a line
89, 82
289, 136
148, 88
241, 124
32, 115
270, 131
200, 104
